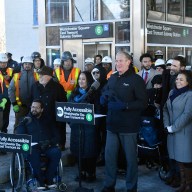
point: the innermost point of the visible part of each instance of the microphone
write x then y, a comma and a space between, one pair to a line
26, 120
93, 87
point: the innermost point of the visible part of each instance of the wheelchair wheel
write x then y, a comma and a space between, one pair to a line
162, 173
17, 171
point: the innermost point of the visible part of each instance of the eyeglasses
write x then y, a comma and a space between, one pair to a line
35, 107
96, 72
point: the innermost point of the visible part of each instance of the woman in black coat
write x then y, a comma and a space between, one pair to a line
89, 148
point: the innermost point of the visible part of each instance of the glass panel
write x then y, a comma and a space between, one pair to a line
85, 10
122, 48
175, 11
57, 11
156, 9
122, 32
174, 51
154, 49
35, 13
89, 51
115, 9
188, 12
52, 54
53, 36
189, 56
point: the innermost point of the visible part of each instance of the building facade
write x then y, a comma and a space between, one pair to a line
19, 32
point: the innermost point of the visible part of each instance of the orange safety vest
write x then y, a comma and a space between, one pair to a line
109, 74
16, 78
71, 83
36, 76
1, 82
9, 73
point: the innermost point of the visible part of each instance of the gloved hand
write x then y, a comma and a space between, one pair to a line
16, 108
3, 103
44, 145
169, 129
117, 105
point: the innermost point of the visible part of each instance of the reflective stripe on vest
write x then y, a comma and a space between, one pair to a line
71, 83
9, 73
1, 82
16, 79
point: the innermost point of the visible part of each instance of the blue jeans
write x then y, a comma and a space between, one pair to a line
54, 155
129, 144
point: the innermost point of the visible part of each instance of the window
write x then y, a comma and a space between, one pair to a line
156, 9
57, 11
188, 12
122, 32
53, 36
122, 48
174, 51
85, 10
175, 11
115, 9
189, 56
152, 49
35, 13
52, 54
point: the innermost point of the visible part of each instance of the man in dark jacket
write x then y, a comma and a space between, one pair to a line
46, 136
49, 92
126, 98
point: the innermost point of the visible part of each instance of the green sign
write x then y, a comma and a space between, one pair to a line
75, 112
16, 143
160, 33
88, 31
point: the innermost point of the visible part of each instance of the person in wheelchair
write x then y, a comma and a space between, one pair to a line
46, 135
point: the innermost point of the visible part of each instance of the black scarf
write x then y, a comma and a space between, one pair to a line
176, 92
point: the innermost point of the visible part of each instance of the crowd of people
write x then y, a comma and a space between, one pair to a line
160, 91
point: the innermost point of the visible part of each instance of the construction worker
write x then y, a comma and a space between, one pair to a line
89, 64
67, 74
38, 62
56, 63
6, 74
158, 54
160, 66
20, 89
107, 64
11, 63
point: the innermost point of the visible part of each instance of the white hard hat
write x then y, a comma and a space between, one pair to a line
159, 62
27, 59
181, 55
106, 59
57, 61
158, 52
3, 57
89, 61
169, 62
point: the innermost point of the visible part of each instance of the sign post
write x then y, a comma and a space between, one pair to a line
79, 113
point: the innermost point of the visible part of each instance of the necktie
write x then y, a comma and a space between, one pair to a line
146, 76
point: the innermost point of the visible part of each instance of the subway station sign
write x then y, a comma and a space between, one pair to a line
159, 33
99, 30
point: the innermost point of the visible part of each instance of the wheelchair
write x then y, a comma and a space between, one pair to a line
21, 174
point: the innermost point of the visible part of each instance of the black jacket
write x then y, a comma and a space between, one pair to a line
49, 94
130, 89
41, 129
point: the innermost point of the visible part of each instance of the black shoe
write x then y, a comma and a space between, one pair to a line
83, 177
108, 189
